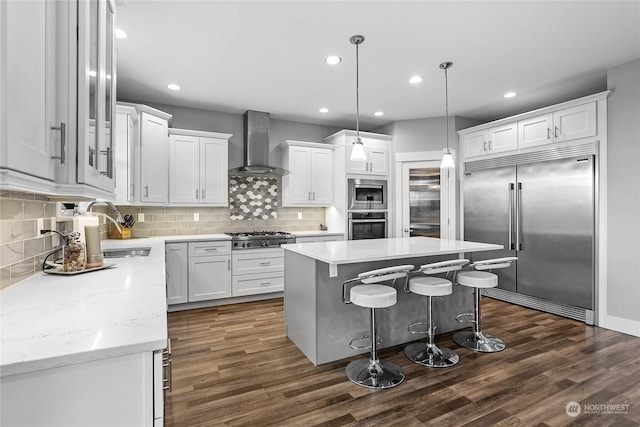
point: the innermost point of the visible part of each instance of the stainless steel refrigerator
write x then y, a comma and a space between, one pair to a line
541, 207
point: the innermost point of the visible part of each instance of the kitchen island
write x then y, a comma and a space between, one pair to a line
321, 325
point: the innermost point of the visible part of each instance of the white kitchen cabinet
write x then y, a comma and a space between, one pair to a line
490, 141
198, 167
125, 145
154, 158
116, 391
310, 165
377, 148
209, 270
177, 271
30, 120
96, 93
377, 162
258, 271
563, 125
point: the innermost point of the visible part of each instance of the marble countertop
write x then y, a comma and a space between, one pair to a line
49, 320
355, 251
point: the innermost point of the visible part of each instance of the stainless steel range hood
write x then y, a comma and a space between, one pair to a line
256, 147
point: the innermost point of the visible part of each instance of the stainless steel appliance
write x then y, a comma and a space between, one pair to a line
541, 207
367, 225
367, 194
260, 239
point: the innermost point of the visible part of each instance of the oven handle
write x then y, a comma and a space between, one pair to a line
362, 221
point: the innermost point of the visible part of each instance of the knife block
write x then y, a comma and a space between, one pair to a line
126, 233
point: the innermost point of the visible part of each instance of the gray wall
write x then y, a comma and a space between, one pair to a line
623, 192
214, 121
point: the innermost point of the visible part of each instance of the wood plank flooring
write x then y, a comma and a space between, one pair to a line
233, 365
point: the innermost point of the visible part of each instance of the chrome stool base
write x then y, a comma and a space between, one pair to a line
374, 375
477, 341
431, 355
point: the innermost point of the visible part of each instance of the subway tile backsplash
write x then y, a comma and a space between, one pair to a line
175, 221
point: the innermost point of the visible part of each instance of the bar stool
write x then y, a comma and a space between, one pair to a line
479, 279
374, 373
429, 354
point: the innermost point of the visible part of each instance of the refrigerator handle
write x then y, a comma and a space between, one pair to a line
511, 191
519, 218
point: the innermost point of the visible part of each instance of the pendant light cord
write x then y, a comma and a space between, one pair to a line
357, 96
446, 102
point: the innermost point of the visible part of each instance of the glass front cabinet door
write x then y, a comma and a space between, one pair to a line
96, 93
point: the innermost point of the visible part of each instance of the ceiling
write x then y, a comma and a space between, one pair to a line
231, 56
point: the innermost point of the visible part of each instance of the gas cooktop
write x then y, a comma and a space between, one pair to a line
260, 239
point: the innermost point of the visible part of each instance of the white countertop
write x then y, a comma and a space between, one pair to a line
53, 320
49, 320
355, 251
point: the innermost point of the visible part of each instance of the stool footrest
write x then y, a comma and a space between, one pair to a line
466, 318
366, 347
412, 328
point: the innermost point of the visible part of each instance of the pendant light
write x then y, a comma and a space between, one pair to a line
447, 158
357, 152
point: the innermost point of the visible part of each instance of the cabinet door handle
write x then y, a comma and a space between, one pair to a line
548, 134
92, 153
555, 131
133, 189
489, 145
484, 145
146, 191
228, 264
197, 194
109, 154
309, 196
314, 195
63, 137
202, 194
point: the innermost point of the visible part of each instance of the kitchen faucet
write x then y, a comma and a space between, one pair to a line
114, 210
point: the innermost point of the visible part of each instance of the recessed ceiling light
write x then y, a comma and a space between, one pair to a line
378, 113
415, 80
332, 60
324, 110
173, 86
509, 94
120, 34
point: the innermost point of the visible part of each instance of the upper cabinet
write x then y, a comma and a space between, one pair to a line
562, 125
490, 141
198, 167
376, 147
58, 83
96, 93
569, 121
34, 139
143, 147
310, 167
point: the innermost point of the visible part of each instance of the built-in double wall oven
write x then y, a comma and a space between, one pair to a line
367, 200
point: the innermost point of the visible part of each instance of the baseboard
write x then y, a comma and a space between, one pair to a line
223, 301
619, 324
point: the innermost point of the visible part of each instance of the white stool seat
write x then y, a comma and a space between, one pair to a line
477, 279
430, 286
373, 296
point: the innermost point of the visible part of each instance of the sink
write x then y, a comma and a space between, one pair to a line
126, 252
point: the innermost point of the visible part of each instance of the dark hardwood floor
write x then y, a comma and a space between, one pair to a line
233, 365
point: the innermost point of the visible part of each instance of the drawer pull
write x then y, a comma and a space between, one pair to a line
265, 263
211, 249
265, 283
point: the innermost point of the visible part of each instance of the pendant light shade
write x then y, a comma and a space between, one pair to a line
447, 157
357, 152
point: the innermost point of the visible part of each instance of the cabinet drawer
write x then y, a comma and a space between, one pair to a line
258, 263
197, 249
251, 284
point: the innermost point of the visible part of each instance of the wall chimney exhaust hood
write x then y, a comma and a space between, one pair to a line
256, 147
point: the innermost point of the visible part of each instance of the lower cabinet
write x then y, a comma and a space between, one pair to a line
198, 271
119, 391
257, 271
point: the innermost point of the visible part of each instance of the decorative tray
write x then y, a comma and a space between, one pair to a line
58, 270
